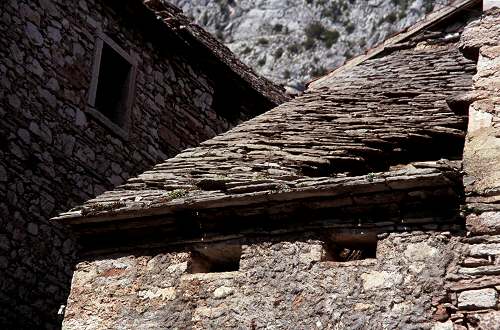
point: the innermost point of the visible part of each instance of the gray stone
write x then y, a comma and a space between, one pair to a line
36, 68
24, 135
92, 22
223, 292
67, 246
477, 299
78, 50
448, 325
484, 223
34, 34
376, 280
116, 168
481, 250
54, 34
68, 144
48, 96
14, 101
30, 14
34, 128
115, 180
17, 54
33, 228
4, 262
46, 133
5, 82
83, 5
53, 85
3, 174
16, 150
80, 118
4, 242
49, 6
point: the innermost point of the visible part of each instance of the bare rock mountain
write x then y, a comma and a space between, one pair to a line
294, 41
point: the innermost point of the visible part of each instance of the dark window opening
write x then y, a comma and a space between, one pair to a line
113, 85
215, 258
350, 248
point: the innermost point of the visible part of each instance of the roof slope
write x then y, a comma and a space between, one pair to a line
178, 23
388, 110
434, 18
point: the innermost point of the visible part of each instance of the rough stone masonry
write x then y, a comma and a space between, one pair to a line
56, 151
259, 237
473, 284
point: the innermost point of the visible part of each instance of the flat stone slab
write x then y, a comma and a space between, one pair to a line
478, 299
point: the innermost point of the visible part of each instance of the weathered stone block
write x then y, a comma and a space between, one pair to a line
380, 280
34, 34
477, 299
484, 223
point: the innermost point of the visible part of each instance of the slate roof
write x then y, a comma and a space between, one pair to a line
191, 33
337, 143
408, 35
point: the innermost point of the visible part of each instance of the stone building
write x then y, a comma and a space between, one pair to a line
369, 202
93, 92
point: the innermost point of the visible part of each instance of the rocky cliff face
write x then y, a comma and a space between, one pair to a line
293, 41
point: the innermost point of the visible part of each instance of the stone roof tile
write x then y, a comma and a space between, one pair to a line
396, 108
178, 23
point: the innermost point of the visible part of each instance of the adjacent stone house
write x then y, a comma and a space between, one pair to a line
93, 92
353, 206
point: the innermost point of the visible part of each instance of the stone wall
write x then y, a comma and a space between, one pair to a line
283, 282
473, 284
54, 154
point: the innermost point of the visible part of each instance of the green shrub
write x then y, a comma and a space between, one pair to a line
318, 71
402, 4
350, 27
391, 18
334, 10
316, 31
428, 6
204, 19
246, 50
309, 43
277, 28
278, 53
177, 193
293, 48
263, 41
330, 37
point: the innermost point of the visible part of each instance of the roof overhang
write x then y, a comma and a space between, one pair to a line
429, 192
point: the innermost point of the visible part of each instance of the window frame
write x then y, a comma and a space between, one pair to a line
132, 59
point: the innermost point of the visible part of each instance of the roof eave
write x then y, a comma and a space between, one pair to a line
411, 179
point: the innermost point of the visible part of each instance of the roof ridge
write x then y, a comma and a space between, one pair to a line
175, 19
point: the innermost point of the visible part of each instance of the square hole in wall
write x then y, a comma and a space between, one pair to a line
112, 85
215, 258
113, 82
350, 247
